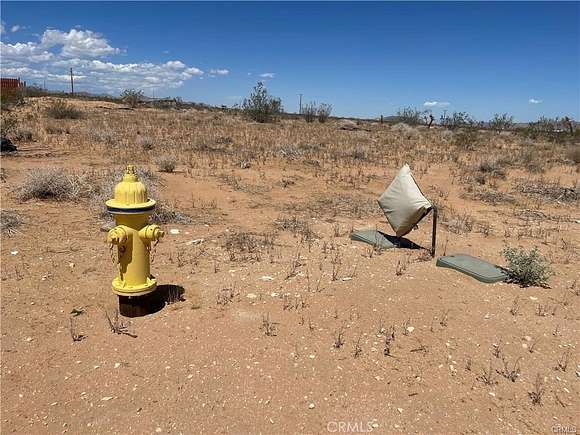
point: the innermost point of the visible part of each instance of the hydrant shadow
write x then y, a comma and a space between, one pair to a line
170, 293
164, 294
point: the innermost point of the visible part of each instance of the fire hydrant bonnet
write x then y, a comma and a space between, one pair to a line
130, 195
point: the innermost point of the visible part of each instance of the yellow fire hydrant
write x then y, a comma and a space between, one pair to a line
133, 236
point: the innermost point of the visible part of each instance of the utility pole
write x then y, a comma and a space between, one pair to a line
72, 85
300, 112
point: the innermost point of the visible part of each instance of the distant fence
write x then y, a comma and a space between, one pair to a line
6, 83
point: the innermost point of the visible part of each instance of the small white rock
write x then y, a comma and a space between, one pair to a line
174, 231
311, 405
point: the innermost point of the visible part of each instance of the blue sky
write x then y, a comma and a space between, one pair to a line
363, 58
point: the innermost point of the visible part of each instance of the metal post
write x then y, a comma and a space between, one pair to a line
72, 86
434, 234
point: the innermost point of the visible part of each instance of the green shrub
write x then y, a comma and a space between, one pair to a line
261, 106
527, 268
60, 109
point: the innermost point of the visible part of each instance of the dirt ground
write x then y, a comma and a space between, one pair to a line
284, 323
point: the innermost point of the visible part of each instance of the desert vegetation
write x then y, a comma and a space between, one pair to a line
258, 207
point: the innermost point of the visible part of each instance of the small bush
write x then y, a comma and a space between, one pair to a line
55, 128
102, 135
466, 138
10, 220
54, 183
165, 213
501, 122
166, 163
60, 109
492, 167
457, 120
324, 111
410, 116
309, 112
261, 106
552, 129
145, 142
132, 97
22, 134
8, 123
573, 153
527, 268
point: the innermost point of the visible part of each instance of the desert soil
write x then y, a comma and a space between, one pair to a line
283, 321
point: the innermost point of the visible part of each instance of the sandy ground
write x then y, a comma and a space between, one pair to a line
207, 363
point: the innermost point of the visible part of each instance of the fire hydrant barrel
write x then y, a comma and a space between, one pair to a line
133, 237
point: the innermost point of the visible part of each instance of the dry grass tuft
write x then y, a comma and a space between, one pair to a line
60, 109
56, 184
547, 190
166, 163
10, 220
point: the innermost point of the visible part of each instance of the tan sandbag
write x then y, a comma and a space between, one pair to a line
403, 203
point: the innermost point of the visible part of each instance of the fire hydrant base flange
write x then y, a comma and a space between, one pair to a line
122, 289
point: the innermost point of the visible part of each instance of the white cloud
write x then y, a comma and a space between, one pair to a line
534, 101
267, 75
24, 53
436, 104
2, 28
78, 43
15, 28
87, 52
219, 72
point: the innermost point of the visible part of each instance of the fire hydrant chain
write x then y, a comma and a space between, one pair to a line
153, 250
111, 247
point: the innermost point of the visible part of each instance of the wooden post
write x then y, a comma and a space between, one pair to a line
434, 233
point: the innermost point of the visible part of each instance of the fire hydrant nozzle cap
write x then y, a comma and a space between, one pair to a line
130, 195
